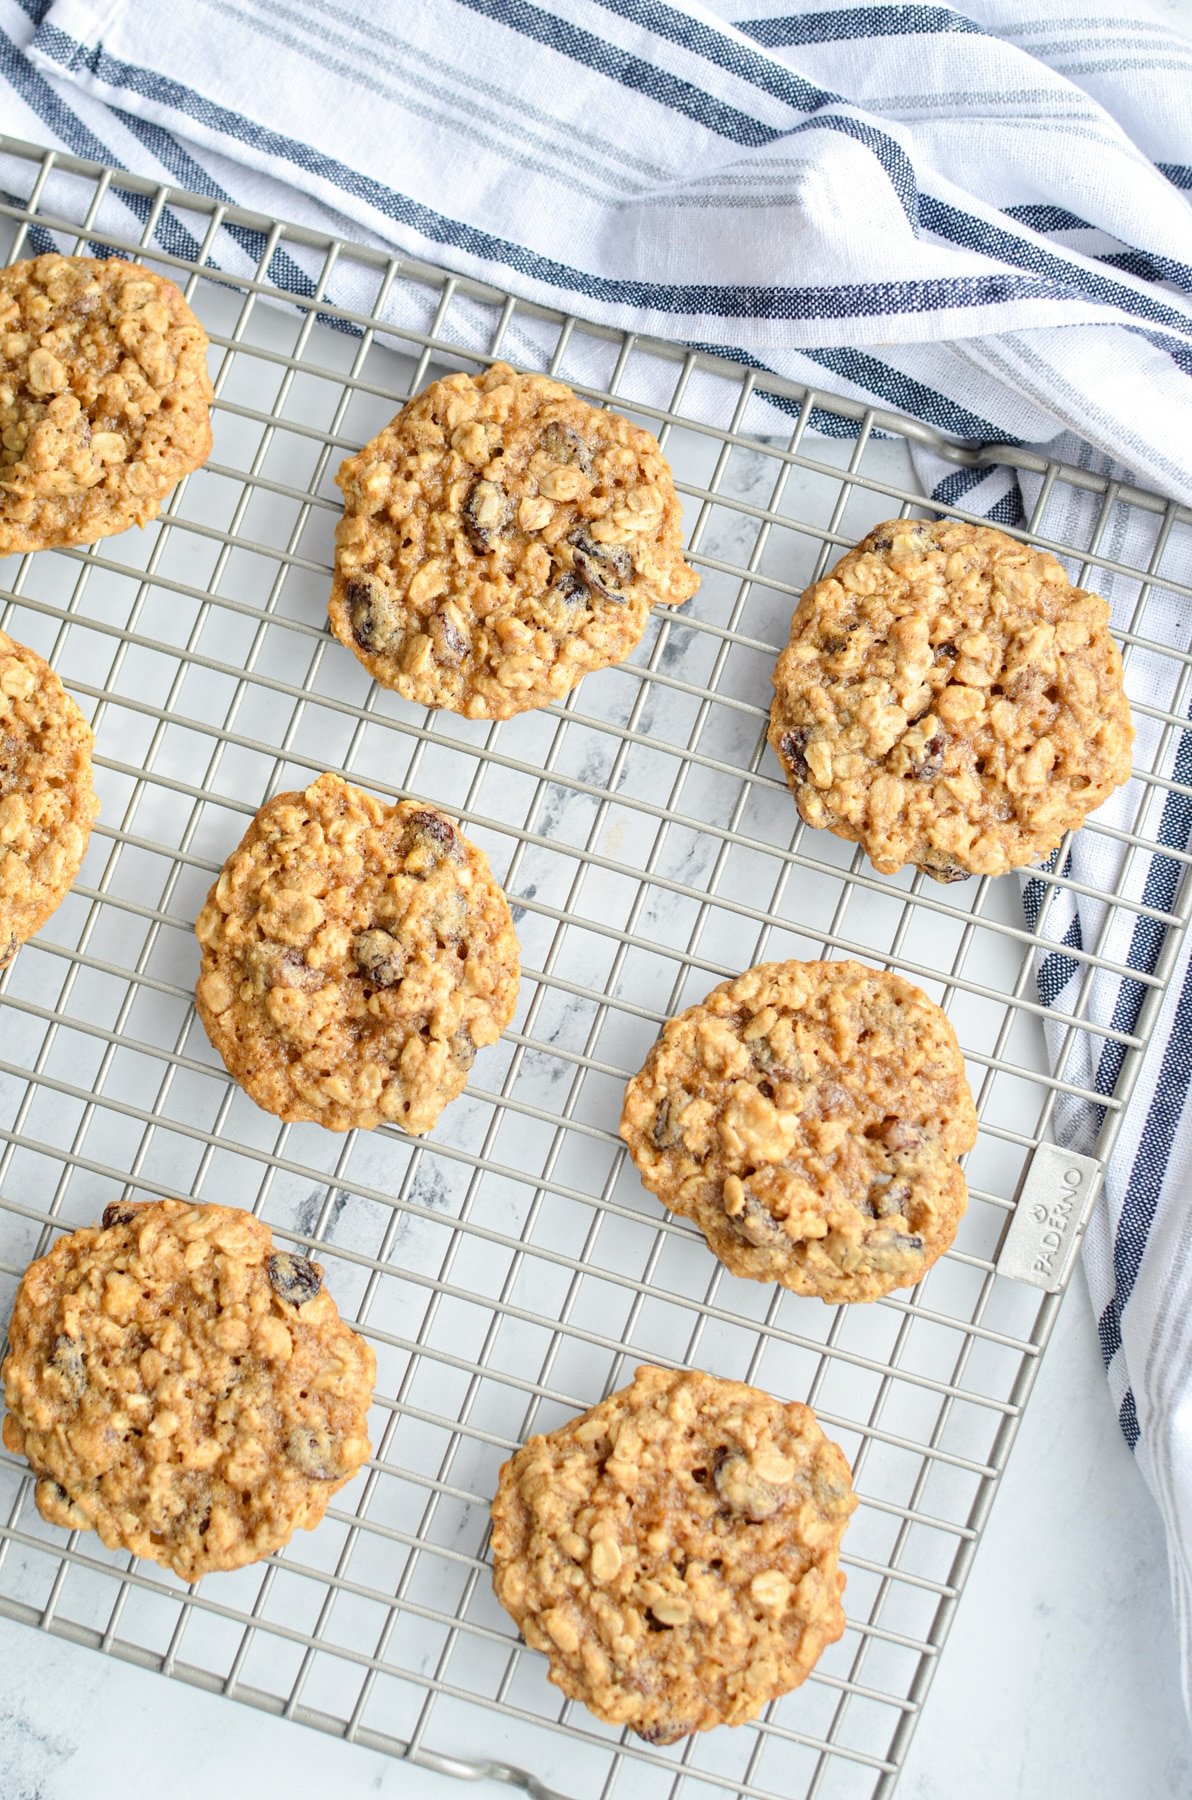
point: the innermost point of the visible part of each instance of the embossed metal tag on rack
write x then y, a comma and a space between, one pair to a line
1055, 1196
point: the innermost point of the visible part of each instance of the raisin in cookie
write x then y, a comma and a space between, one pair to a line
104, 397
674, 1551
808, 1118
500, 539
948, 699
183, 1388
355, 958
47, 801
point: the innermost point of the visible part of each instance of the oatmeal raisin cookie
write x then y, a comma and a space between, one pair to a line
47, 801
182, 1387
674, 1551
355, 958
500, 539
808, 1118
949, 699
104, 397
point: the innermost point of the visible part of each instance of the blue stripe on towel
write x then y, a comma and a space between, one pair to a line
855, 300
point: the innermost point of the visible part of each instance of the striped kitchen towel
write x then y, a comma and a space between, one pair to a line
978, 215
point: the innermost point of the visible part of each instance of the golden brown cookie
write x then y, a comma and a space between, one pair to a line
808, 1118
500, 539
355, 958
948, 699
183, 1388
674, 1551
47, 801
104, 397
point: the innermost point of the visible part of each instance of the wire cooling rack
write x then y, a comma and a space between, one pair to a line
511, 1269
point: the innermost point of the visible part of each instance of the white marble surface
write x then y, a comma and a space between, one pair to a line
1058, 1680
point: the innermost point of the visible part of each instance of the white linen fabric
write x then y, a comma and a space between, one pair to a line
978, 215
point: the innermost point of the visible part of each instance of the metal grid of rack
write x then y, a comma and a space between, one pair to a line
510, 1270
